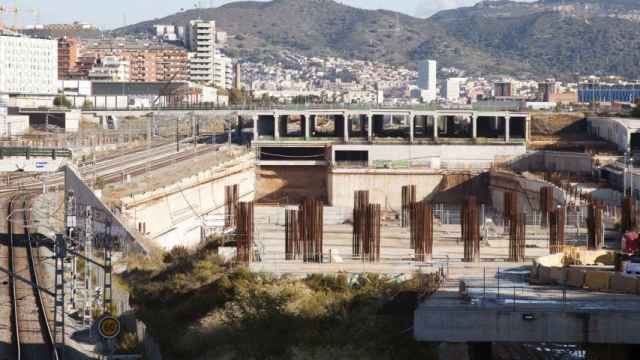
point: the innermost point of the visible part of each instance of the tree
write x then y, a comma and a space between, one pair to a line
87, 104
61, 100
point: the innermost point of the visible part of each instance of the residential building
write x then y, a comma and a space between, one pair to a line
148, 61
28, 66
207, 64
68, 52
502, 89
427, 80
546, 90
451, 89
110, 68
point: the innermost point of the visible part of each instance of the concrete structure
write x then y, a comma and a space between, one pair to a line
181, 213
427, 81
346, 150
68, 52
546, 90
206, 63
28, 66
623, 132
12, 125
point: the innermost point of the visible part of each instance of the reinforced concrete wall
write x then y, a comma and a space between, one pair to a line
33, 164
177, 214
461, 324
553, 161
384, 185
438, 156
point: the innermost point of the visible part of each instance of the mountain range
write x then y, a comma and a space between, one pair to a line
546, 38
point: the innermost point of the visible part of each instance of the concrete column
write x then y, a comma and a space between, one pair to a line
435, 127
346, 123
362, 126
255, 127
411, 127
369, 127
276, 126
507, 131
474, 124
306, 127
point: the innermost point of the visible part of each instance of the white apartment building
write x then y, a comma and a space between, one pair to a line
28, 66
451, 89
206, 63
110, 68
427, 80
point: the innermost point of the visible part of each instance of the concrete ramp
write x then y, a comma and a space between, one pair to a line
84, 196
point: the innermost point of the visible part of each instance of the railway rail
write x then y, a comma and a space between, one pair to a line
31, 334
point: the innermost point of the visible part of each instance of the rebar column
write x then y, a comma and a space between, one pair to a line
595, 226
421, 230
231, 198
517, 231
310, 217
360, 202
470, 230
244, 232
546, 205
510, 207
371, 243
629, 213
408, 198
556, 230
292, 250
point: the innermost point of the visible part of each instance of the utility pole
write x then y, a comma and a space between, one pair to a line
177, 138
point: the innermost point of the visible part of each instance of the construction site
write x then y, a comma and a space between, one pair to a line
503, 213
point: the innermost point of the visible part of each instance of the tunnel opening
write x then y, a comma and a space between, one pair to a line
455, 127
390, 126
423, 127
292, 154
491, 127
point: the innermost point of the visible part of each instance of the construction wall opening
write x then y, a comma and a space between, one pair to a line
290, 185
292, 153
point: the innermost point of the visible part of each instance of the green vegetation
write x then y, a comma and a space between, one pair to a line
505, 37
198, 307
61, 100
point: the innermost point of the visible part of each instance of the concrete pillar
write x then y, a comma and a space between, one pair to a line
507, 130
435, 127
474, 124
306, 119
369, 127
411, 127
363, 120
276, 126
346, 123
255, 127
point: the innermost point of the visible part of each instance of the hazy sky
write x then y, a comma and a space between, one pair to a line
114, 13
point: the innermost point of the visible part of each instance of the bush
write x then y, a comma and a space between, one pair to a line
62, 101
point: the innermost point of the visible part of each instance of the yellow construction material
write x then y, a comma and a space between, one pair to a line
597, 280
575, 278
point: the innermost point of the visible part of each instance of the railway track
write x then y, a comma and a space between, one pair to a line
31, 334
112, 170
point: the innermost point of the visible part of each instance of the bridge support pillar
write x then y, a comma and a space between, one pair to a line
435, 127
347, 125
369, 127
276, 126
474, 125
411, 127
255, 127
507, 129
